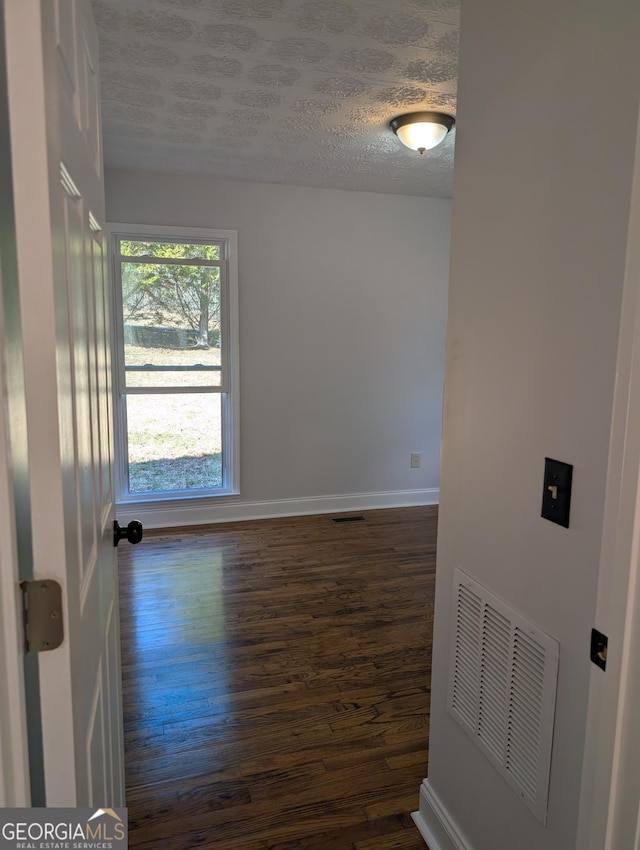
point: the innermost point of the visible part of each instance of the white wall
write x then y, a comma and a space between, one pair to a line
548, 104
342, 318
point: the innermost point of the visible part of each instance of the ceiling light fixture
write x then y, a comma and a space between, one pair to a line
422, 131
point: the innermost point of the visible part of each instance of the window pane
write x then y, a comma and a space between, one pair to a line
175, 442
171, 317
171, 250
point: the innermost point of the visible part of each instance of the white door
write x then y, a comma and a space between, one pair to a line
54, 113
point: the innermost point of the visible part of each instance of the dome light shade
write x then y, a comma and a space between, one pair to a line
422, 131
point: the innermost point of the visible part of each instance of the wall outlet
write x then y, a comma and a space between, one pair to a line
415, 460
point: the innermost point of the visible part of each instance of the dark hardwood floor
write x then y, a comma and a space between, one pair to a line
276, 682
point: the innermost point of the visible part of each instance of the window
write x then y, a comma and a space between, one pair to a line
176, 362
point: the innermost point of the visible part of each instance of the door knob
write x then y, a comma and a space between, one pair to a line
132, 533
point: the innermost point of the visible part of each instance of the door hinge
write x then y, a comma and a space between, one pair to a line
42, 615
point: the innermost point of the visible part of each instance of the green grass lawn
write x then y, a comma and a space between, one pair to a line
182, 473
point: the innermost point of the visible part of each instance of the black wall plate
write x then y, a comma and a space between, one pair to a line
599, 644
556, 495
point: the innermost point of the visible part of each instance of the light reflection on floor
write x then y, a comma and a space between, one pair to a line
173, 659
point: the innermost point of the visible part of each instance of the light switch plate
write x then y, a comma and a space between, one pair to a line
556, 495
598, 652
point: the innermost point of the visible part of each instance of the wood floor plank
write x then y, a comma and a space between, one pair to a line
276, 682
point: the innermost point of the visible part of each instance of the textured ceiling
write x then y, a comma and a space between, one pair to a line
279, 91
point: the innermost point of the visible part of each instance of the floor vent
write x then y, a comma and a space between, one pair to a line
502, 688
348, 519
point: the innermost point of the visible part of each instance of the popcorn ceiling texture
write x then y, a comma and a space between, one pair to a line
279, 91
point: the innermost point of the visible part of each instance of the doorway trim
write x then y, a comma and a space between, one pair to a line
14, 751
606, 793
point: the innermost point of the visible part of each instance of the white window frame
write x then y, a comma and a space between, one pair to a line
229, 392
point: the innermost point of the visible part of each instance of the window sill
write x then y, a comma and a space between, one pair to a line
176, 499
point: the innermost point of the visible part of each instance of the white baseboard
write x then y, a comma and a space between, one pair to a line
435, 824
175, 513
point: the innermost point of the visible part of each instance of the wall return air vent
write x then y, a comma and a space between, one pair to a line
502, 688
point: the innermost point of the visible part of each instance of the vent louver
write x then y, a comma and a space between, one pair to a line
502, 688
